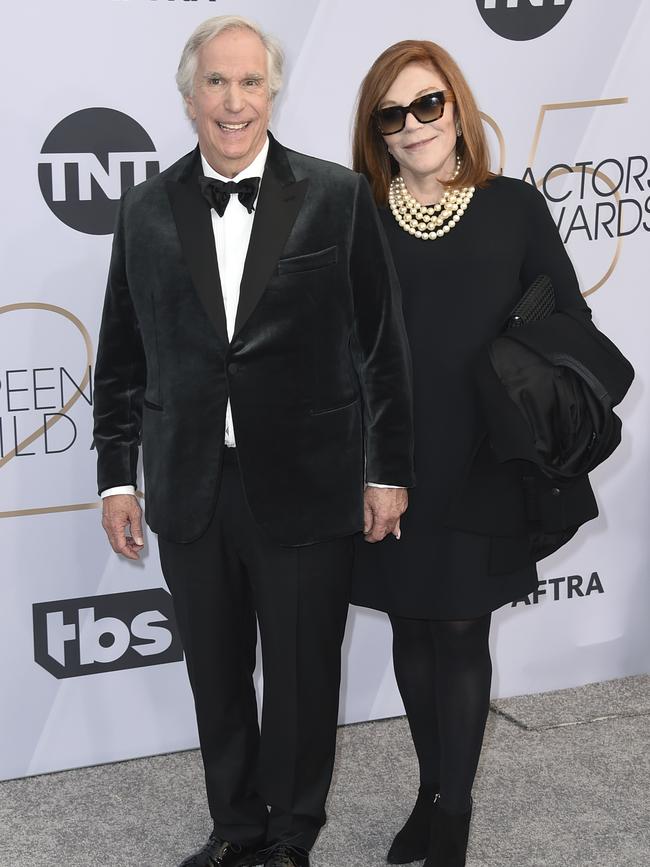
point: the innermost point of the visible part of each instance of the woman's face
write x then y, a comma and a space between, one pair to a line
422, 149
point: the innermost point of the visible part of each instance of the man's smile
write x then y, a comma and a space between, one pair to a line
233, 127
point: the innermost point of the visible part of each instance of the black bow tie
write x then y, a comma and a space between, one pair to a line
218, 192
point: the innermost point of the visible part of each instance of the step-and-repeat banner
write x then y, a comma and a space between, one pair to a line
91, 666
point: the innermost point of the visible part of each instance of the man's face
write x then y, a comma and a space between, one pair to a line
230, 103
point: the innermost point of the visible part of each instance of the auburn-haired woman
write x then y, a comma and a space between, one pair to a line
466, 245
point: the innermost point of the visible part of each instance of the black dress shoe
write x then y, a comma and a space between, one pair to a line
222, 853
283, 855
411, 843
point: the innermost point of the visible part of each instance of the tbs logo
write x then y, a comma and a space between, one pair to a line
73, 637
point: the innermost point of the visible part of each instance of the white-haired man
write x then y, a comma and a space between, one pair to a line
252, 340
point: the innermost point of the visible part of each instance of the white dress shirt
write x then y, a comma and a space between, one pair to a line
232, 233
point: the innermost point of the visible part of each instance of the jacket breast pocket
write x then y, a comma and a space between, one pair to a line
309, 261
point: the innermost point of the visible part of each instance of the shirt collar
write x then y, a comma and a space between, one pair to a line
254, 170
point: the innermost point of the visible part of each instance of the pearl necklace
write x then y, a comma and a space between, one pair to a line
428, 221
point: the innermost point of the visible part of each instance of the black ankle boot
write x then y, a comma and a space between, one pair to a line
412, 842
449, 834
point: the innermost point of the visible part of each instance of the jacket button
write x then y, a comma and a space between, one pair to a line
233, 367
556, 492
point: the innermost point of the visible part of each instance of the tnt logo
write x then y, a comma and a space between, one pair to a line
522, 19
74, 637
88, 160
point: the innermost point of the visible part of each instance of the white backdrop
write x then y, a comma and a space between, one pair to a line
90, 671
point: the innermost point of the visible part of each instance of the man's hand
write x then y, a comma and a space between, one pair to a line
382, 508
119, 512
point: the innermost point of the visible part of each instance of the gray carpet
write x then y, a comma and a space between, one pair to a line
564, 781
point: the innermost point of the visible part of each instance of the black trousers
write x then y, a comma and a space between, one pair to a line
270, 783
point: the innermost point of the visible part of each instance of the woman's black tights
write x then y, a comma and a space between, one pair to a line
443, 671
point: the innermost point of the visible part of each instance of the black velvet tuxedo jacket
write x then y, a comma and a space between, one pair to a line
317, 372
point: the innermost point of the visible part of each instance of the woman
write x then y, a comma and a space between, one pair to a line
466, 245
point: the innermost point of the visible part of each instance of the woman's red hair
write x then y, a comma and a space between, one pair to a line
369, 153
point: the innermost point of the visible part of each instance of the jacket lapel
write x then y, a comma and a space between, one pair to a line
278, 204
194, 225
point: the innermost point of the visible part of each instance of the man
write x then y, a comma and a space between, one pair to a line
253, 347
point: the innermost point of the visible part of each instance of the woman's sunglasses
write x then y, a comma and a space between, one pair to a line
425, 109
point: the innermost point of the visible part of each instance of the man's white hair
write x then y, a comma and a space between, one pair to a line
213, 27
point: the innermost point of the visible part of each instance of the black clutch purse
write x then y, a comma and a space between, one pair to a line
537, 302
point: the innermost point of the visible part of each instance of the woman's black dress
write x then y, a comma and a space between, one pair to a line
457, 292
